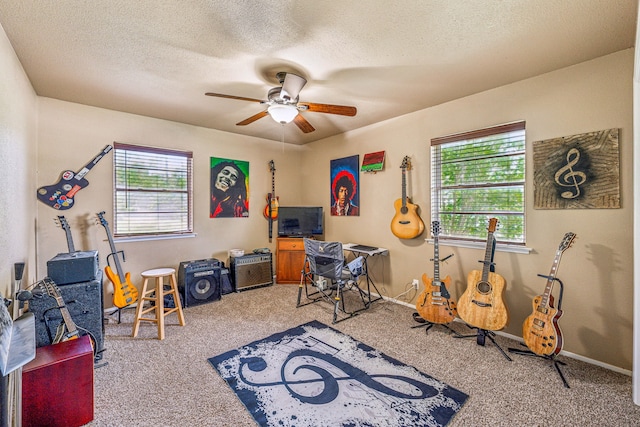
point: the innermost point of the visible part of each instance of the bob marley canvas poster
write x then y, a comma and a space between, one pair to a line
345, 186
229, 196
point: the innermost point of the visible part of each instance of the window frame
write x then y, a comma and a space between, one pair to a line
120, 150
437, 187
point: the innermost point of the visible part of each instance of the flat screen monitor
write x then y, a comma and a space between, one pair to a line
300, 221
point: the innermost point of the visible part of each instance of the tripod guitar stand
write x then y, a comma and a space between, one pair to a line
551, 357
540, 330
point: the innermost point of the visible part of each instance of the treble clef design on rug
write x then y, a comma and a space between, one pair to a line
331, 389
567, 177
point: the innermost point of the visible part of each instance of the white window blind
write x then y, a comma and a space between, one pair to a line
153, 191
478, 175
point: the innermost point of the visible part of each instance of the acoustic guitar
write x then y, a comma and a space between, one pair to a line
435, 304
406, 223
62, 221
61, 195
540, 330
271, 210
481, 304
124, 293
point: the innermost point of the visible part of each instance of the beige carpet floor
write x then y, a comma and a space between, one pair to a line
147, 382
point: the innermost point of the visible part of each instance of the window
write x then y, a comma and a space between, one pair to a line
153, 191
476, 176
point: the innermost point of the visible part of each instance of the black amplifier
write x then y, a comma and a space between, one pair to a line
199, 281
74, 267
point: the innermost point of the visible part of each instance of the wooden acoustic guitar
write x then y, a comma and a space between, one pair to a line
481, 304
62, 221
271, 210
124, 293
61, 195
435, 304
540, 330
406, 223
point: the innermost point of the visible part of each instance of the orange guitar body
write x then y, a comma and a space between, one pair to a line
433, 307
125, 293
273, 204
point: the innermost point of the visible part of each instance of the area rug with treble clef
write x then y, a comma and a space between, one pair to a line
314, 375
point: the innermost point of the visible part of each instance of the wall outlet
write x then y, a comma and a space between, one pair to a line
415, 283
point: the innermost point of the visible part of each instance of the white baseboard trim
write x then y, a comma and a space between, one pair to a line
519, 339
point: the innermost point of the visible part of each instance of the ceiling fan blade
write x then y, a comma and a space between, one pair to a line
342, 110
240, 98
303, 124
253, 118
292, 86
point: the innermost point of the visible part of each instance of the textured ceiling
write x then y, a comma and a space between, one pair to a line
386, 57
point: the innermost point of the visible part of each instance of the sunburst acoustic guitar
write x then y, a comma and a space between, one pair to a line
271, 210
481, 305
540, 330
435, 304
406, 223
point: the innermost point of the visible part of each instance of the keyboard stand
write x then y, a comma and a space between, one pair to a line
365, 255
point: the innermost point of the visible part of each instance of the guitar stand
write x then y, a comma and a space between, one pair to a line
552, 357
480, 339
428, 325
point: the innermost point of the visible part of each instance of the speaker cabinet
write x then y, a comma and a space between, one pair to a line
85, 306
250, 271
199, 281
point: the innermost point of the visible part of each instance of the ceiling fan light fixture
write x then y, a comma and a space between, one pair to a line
283, 113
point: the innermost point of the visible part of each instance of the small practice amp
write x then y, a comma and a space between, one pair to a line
199, 281
74, 267
249, 271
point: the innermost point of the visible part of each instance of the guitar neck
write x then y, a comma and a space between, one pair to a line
53, 291
112, 245
69, 241
436, 259
92, 163
488, 257
550, 280
404, 187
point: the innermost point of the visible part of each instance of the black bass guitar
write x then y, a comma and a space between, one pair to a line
61, 195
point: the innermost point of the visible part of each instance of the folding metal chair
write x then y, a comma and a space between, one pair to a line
326, 276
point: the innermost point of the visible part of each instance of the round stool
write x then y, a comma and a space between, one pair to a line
156, 294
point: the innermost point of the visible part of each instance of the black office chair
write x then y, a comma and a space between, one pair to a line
326, 275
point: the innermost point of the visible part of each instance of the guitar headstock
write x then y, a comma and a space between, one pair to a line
272, 166
435, 228
406, 163
61, 221
567, 241
493, 224
102, 220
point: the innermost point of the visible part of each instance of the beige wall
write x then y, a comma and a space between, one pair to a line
597, 270
18, 124
72, 134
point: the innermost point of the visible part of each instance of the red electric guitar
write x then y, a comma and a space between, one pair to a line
60, 195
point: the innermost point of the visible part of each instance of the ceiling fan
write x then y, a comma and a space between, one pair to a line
283, 105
